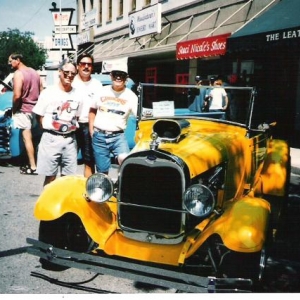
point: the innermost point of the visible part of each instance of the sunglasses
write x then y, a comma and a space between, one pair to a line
117, 74
68, 73
83, 64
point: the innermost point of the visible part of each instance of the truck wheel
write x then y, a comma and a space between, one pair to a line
66, 233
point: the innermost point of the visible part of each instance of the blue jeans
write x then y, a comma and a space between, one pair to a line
104, 145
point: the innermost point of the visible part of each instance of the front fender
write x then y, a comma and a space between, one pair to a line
242, 226
66, 195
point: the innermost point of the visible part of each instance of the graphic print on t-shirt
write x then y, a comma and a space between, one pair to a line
64, 118
113, 105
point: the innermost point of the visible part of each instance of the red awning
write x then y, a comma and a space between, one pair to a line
205, 47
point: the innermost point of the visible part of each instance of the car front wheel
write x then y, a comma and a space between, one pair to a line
66, 233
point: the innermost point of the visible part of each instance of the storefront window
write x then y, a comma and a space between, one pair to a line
133, 5
109, 10
121, 8
100, 12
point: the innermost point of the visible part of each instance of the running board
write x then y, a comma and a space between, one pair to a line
137, 272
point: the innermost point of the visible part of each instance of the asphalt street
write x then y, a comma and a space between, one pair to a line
21, 272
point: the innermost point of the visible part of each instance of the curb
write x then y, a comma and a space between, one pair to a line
295, 160
295, 170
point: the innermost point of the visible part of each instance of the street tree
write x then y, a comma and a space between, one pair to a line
14, 41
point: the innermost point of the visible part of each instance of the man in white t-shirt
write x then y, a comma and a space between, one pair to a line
58, 109
108, 119
91, 88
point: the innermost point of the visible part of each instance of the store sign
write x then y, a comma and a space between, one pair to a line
205, 47
66, 29
63, 29
62, 18
85, 37
289, 38
89, 19
145, 21
62, 41
288, 34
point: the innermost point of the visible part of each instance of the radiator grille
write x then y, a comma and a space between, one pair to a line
154, 191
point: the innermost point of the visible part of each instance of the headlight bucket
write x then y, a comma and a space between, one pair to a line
99, 188
199, 200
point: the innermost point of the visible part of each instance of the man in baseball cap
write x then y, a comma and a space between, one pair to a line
108, 118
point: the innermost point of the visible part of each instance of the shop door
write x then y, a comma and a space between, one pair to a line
150, 92
181, 98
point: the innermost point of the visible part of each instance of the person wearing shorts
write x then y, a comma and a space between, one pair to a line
27, 86
91, 88
108, 119
58, 108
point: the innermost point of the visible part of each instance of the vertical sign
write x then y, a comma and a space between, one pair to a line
63, 29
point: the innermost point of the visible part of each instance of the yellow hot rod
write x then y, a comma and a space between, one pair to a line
195, 204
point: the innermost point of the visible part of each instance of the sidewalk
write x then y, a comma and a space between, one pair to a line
295, 161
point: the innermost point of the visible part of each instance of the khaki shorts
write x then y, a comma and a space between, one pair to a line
24, 120
57, 153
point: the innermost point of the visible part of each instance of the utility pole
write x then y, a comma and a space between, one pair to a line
60, 21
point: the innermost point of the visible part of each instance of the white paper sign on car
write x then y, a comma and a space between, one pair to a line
163, 109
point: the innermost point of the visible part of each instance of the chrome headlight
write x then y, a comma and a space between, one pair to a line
199, 200
99, 187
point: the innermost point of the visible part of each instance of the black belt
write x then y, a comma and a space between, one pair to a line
65, 135
108, 132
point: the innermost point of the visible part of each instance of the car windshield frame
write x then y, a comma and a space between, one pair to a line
145, 112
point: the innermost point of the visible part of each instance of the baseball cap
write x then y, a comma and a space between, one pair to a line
198, 78
121, 67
